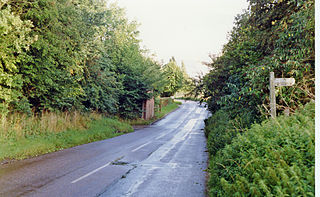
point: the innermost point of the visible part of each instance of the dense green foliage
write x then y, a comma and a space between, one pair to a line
276, 158
274, 36
62, 55
221, 129
59, 60
15, 38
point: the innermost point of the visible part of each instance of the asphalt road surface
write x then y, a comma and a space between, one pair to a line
167, 158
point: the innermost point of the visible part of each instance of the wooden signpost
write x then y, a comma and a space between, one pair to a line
273, 83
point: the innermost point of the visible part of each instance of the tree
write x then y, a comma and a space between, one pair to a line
174, 78
59, 55
188, 82
15, 40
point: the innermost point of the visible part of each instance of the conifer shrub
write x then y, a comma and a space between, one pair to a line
274, 158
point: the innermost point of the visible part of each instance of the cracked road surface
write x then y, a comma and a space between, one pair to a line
167, 158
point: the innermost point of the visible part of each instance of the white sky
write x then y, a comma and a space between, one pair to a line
189, 30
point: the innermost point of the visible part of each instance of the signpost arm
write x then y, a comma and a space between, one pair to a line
272, 96
277, 82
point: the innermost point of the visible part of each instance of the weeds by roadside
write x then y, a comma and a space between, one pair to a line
20, 125
24, 136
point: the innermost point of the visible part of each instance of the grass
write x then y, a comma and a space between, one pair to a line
189, 98
158, 115
23, 137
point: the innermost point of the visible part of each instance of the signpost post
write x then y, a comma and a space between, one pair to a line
273, 83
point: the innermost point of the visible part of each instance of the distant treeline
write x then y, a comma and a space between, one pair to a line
61, 55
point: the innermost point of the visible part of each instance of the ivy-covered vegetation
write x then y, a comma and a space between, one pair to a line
276, 157
62, 55
272, 36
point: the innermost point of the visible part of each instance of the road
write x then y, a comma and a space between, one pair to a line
167, 158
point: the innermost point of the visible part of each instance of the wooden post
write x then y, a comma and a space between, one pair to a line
273, 83
144, 110
273, 109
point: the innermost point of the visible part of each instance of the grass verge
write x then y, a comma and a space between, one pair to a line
30, 145
158, 115
189, 98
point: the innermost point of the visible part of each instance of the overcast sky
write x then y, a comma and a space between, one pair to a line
189, 30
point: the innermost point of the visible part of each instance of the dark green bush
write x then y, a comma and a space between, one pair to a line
219, 131
275, 158
224, 125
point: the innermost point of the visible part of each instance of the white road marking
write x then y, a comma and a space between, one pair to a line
143, 145
90, 173
188, 127
161, 136
190, 124
198, 111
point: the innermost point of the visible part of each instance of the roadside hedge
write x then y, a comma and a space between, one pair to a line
223, 126
274, 158
219, 131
